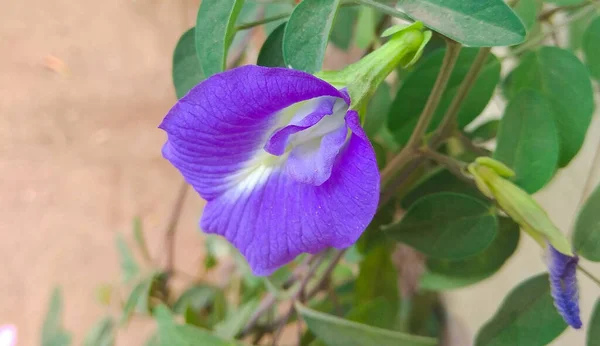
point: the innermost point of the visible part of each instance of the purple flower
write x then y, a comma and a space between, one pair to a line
284, 165
563, 285
8, 335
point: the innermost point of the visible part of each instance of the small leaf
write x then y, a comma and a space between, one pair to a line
527, 317
307, 33
376, 267
139, 297
586, 237
197, 297
215, 29
444, 275
129, 267
236, 320
528, 10
271, 53
578, 27
446, 226
53, 333
564, 80
591, 48
102, 334
365, 27
343, 27
528, 141
140, 239
186, 71
334, 331
485, 131
476, 23
414, 91
593, 330
377, 109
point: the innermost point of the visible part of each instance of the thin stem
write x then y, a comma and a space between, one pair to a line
317, 287
468, 144
172, 226
456, 167
383, 8
589, 274
251, 25
449, 124
549, 13
588, 185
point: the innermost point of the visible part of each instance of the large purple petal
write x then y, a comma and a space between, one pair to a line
563, 285
275, 218
221, 124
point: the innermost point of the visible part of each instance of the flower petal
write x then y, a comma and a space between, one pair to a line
222, 123
273, 218
563, 286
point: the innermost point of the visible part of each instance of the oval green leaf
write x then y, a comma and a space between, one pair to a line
485, 131
528, 10
412, 95
586, 237
591, 48
215, 29
527, 317
335, 331
186, 67
564, 80
443, 274
271, 53
306, 34
343, 27
593, 329
528, 141
446, 226
476, 23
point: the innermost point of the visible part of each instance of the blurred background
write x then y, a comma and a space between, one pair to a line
83, 87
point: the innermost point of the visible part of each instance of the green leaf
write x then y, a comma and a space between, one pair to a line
376, 267
138, 236
275, 9
215, 29
129, 267
271, 53
527, 317
365, 27
334, 331
412, 95
446, 226
171, 334
186, 71
593, 329
197, 297
343, 27
440, 180
53, 333
102, 334
591, 48
586, 237
578, 27
443, 274
236, 320
564, 80
376, 313
377, 109
485, 131
139, 297
528, 10
306, 34
565, 2
476, 23
528, 141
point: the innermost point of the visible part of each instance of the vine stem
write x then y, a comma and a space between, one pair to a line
589, 274
172, 226
383, 8
409, 151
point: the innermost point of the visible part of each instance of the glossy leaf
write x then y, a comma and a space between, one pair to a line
186, 70
586, 237
564, 80
306, 34
485, 131
476, 23
446, 226
343, 27
215, 29
377, 267
591, 48
377, 109
335, 331
528, 11
593, 329
528, 141
171, 334
102, 334
271, 53
412, 95
527, 317
53, 333
129, 267
443, 274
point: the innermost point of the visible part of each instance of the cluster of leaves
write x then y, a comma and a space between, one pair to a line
355, 299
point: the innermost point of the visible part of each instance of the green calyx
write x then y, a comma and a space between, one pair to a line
404, 47
490, 177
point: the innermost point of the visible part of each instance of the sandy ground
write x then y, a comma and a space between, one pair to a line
83, 86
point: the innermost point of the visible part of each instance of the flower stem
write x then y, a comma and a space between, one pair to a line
589, 274
251, 25
383, 8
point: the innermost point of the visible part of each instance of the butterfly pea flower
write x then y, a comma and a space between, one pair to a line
280, 156
490, 177
8, 335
